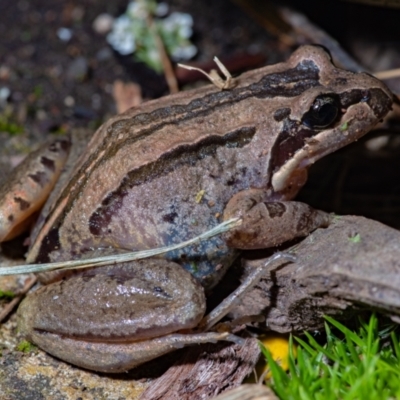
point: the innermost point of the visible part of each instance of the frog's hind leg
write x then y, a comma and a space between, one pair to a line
114, 318
29, 185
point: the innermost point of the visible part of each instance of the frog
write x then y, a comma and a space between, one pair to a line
169, 170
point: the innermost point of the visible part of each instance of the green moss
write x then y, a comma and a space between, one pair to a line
6, 295
26, 347
7, 125
355, 239
360, 364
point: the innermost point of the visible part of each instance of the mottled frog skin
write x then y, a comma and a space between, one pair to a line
169, 170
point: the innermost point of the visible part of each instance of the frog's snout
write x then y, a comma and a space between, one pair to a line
380, 101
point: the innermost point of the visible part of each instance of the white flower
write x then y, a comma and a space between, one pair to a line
121, 37
130, 33
154, 56
181, 21
137, 9
184, 53
185, 31
162, 10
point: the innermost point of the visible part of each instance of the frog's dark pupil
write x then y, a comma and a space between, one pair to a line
322, 113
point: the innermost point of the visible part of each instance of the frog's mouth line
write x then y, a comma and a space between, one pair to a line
357, 121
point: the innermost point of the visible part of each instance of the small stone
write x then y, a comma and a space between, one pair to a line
4, 93
78, 69
104, 54
4, 72
69, 101
103, 23
64, 34
41, 115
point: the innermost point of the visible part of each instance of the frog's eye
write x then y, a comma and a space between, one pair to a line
323, 112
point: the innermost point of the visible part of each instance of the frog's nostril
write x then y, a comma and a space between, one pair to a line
380, 102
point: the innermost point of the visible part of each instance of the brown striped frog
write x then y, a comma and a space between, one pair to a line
167, 171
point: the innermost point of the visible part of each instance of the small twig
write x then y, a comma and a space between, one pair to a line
15, 301
166, 62
305, 29
213, 76
389, 74
119, 258
263, 376
251, 280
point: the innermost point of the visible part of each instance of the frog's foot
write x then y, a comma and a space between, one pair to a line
267, 224
28, 186
120, 357
231, 301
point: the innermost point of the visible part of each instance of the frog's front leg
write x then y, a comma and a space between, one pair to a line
266, 223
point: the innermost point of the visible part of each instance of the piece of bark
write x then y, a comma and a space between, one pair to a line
351, 265
205, 371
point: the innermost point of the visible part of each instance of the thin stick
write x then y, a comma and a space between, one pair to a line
389, 74
15, 301
119, 258
166, 62
213, 76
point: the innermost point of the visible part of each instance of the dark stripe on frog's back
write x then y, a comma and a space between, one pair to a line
289, 83
184, 155
201, 107
267, 87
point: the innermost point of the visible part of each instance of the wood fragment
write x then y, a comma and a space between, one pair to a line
333, 275
126, 95
205, 371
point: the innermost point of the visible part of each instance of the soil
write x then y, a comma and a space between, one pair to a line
56, 85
